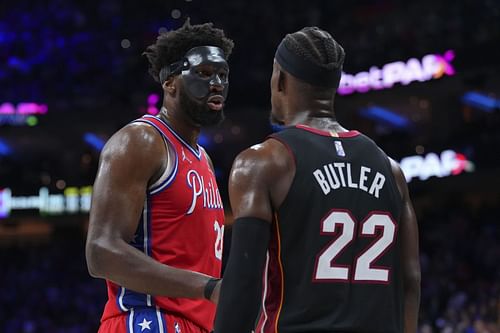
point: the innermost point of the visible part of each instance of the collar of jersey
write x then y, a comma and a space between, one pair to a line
348, 134
195, 152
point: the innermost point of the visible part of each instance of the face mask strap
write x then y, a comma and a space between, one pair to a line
173, 69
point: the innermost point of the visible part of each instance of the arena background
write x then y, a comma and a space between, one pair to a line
421, 78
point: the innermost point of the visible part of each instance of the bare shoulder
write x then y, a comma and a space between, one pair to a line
260, 179
396, 169
137, 151
138, 141
268, 158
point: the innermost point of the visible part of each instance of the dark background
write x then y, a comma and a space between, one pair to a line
83, 60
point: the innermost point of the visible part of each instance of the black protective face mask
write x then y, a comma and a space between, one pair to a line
198, 87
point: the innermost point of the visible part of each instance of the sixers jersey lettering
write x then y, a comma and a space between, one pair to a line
182, 225
333, 259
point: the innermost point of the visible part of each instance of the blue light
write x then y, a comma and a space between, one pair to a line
6, 36
60, 42
480, 101
94, 141
386, 116
277, 128
204, 141
5, 149
15, 62
218, 173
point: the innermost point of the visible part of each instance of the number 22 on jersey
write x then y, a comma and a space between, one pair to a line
342, 224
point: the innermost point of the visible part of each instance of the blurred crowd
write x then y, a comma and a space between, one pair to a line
46, 287
460, 248
86, 54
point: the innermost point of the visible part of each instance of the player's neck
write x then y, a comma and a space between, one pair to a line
319, 119
328, 124
310, 108
180, 125
305, 113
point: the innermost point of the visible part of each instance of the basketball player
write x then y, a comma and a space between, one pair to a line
156, 223
320, 212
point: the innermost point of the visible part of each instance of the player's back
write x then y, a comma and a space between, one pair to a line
333, 261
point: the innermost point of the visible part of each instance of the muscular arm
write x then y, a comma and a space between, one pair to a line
259, 180
409, 254
131, 158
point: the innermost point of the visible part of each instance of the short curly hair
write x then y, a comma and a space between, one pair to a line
171, 46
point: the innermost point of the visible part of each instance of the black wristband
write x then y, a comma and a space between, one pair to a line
209, 287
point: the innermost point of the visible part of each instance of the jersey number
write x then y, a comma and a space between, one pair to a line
218, 242
341, 224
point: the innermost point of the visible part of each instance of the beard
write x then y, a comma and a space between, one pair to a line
198, 112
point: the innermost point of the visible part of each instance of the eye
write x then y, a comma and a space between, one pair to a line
204, 73
223, 75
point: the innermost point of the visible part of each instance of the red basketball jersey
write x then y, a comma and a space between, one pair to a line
182, 225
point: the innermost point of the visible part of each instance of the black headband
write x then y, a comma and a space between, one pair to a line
173, 69
305, 70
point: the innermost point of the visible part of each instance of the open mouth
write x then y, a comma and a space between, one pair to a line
215, 102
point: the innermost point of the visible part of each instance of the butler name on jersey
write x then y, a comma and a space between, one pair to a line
335, 175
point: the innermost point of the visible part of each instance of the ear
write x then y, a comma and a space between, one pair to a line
169, 86
281, 81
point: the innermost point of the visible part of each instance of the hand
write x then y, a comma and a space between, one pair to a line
215, 295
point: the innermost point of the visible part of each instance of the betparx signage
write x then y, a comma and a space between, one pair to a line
447, 163
430, 67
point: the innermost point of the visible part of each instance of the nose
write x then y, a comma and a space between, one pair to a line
216, 84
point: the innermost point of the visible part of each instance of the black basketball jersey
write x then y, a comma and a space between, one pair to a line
333, 259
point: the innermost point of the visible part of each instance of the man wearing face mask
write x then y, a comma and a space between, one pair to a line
157, 221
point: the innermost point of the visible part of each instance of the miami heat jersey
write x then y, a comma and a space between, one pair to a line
182, 225
333, 259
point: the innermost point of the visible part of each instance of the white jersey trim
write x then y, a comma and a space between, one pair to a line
168, 175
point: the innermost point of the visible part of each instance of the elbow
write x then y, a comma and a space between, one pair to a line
95, 254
